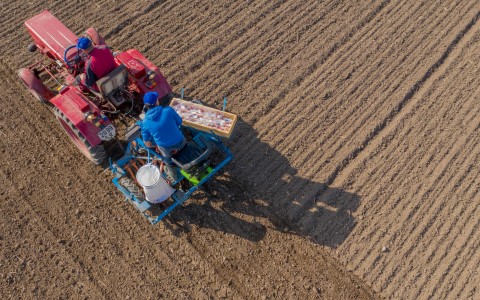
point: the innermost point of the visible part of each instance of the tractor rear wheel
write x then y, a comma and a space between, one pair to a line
35, 85
96, 154
94, 36
132, 188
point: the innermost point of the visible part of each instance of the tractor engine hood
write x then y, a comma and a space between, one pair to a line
50, 35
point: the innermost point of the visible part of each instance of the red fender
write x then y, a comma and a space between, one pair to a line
94, 36
73, 104
35, 85
138, 66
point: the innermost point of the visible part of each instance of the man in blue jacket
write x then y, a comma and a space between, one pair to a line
160, 128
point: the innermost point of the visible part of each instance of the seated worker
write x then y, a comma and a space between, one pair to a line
160, 128
100, 63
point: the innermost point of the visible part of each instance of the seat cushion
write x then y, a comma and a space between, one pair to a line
113, 81
188, 153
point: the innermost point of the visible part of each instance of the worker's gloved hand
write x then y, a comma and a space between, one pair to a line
79, 79
79, 83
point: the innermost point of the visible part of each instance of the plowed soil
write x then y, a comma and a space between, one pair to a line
356, 157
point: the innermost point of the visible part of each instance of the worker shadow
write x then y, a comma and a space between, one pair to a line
260, 190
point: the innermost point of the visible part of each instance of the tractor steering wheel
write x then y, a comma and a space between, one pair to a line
73, 63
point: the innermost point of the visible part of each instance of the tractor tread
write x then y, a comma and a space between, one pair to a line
133, 188
97, 153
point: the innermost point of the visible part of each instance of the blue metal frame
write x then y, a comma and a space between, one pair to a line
179, 196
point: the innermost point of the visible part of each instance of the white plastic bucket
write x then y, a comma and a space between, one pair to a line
155, 187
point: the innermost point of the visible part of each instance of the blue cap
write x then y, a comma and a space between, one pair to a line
83, 43
150, 98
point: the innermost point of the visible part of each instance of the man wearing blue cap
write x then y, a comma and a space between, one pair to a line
100, 62
160, 127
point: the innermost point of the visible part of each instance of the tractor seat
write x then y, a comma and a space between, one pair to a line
113, 82
192, 158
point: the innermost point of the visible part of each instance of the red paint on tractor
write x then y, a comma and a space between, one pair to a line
50, 35
74, 105
135, 67
162, 87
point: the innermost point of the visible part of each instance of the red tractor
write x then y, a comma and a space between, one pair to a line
91, 119
94, 119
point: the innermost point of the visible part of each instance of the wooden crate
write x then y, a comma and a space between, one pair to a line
205, 109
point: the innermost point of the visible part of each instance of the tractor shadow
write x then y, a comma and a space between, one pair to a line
254, 194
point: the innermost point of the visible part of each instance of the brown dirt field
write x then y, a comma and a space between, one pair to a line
359, 130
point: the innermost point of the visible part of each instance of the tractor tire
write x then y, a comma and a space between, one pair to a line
132, 188
96, 154
94, 36
35, 85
